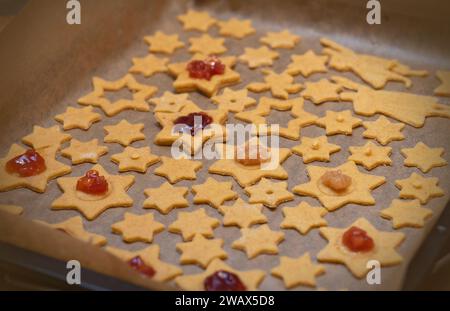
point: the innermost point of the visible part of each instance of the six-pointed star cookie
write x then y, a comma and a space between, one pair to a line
150, 256
166, 197
303, 217
236, 28
283, 39
357, 192
258, 115
423, 157
188, 224
418, 187
170, 102
339, 122
383, 251
315, 149
279, 84
257, 241
135, 159
81, 152
370, 155
298, 271
136, 228
124, 133
81, 118
195, 20
406, 214
234, 101
149, 65
269, 193
178, 169
321, 91
45, 137
195, 282
242, 214
383, 130
140, 94
307, 64
201, 251
163, 43
444, 88
262, 56
207, 45
92, 206
38, 182
213, 192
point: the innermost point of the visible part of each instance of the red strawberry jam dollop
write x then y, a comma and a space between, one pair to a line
138, 264
30, 163
193, 122
92, 183
223, 281
357, 240
205, 69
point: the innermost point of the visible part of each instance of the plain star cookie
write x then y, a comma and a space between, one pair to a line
370, 155
261, 56
303, 217
423, 157
170, 102
279, 84
195, 20
236, 28
383, 130
207, 45
283, 39
307, 64
242, 214
321, 91
135, 159
124, 133
257, 241
42, 137
81, 118
188, 224
163, 43
315, 149
148, 65
137, 228
178, 169
201, 251
166, 197
406, 214
444, 88
84, 152
269, 193
213, 192
338, 122
234, 101
418, 187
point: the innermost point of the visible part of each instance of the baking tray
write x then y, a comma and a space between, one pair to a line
47, 65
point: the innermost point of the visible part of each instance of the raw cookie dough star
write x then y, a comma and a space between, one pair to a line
140, 94
283, 39
38, 182
303, 217
91, 206
315, 149
170, 102
149, 65
166, 197
383, 130
269, 193
188, 224
405, 70
82, 152
423, 157
321, 91
135, 159
406, 214
418, 187
384, 248
242, 214
124, 133
213, 192
370, 155
195, 20
150, 256
298, 271
280, 84
236, 28
46, 137
201, 251
262, 56
137, 228
339, 122
257, 241
357, 192
234, 101
195, 282
444, 88
11, 209
266, 104
178, 169
81, 118
307, 64
207, 45
162, 43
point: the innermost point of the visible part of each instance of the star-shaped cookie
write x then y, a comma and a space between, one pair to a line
234, 101
135, 159
262, 56
338, 122
257, 241
423, 157
178, 169
406, 214
370, 155
242, 214
207, 45
81, 118
188, 224
38, 182
315, 149
321, 91
444, 88
236, 28
266, 104
11, 209
213, 192
269, 193
357, 192
307, 64
45, 137
303, 217
384, 248
124, 133
196, 20
149, 65
279, 84
283, 39
419, 187
163, 43
137, 228
166, 197
201, 251
383, 130
82, 152
171, 102
91, 206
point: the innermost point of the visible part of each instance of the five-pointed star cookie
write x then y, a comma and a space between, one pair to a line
81, 118
140, 94
150, 256
234, 101
201, 251
307, 64
419, 187
188, 224
321, 91
166, 197
279, 84
383, 130
213, 192
38, 182
46, 137
207, 45
384, 248
11, 209
406, 214
257, 241
149, 65
298, 271
135, 159
269, 193
444, 88
170, 102
303, 217
423, 157
339, 122
242, 214
236, 28
82, 152
178, 169
283, 39
195, 20
195, 282
92, 206
163, 43
357, 192
124, 133
135, 228
262, 56
315, 149
370, 155
184, 83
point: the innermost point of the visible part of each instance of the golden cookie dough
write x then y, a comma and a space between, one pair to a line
234, 101
283, 39
84, 152
166, 197
315, 149
383, 130
163, 43
236, 28
188, 224
406, 214
81, 118
303, 217
444, 88
339, 122
242, 214
46, 137
370, 155
137, 228
196, 20
418, 187
207, 45
178, 169
279, 84
11, 209
321, 91
307, 64
423, 157
201, 251
213, 192
257, 241
262, 56
148, 65
405, 70
135, 159
269, 193
171, 102
124, 133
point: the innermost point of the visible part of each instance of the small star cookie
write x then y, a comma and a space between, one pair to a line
339, 122
406, 214
170, 102
236, 28
321, 91
405, 70
283, 39
207, 45
11, 209
418, 187
137, 228
195, 20
383, 131
135, 159
242, 214
444, 88
234, 101
124, 133
280, 84
178, 169
269, 193
81, 118
148, 65
261, 240
262, 56
423, 157
163, 43
213, 192
257, 115
166, 197
307, 64
315, 149
46, 137
370, 155
201, 251
303, 217
188, 224
84, 152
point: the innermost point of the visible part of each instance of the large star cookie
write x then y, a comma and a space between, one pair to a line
188, 224
201, 251
135, 159
423, 157
406, 214
136, 228
418, 187
213, 192
45, 137
303, 217
242, 214
260, 240
269, 193
81, 118
315, 149
166, 197
178, 169
82, 152
279, 84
